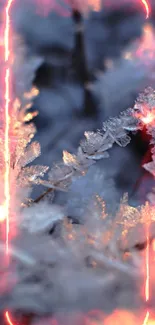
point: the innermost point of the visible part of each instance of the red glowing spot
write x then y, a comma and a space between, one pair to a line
146, 116
146, 5
8, 318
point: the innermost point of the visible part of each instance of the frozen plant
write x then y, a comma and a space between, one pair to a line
79, 260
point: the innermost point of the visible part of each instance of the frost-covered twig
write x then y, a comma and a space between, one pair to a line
93, 148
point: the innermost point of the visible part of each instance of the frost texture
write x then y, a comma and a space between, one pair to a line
69, 264
80, 260
93, 148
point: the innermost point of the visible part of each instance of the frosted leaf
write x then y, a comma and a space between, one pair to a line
26, 134
30, 174
69, 159
92, 143
130, 216
147, 97
107, 145
31, 153
83, 159
129, 121
99, 156
79, 163
60, 177
123, 141
59, 173
29, 116
125, 220
116, 131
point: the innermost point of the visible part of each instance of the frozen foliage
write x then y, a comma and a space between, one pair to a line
94, 147
32, 217
85, 259
80, 255
84, 189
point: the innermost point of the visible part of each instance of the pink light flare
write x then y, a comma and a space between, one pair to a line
147, 281
7, 50
6, 119
8, 318
147, 8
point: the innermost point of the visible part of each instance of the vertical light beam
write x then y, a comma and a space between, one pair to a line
6, 120
146, 5
8, 318
147, 281
6, 129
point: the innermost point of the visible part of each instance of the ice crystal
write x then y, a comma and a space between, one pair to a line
32, 217
94, 147
23, 151
100, 242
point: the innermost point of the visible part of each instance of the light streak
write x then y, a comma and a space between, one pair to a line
6, 131
146, 318
146, 5
8, 318
147, 281
147, 288
7, 158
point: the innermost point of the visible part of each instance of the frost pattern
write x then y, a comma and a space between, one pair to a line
86, 257
94, 147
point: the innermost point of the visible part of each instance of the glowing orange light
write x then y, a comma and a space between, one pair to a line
149, 118
146, 5
121, 317
146, 116
151, 322
8, 318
